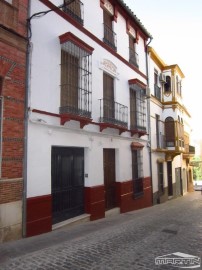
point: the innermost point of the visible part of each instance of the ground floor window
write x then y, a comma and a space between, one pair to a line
160, 178
137, 173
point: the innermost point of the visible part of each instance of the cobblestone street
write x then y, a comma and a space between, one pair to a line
127, 241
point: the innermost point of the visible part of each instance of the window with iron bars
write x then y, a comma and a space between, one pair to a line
133, 56
76, 80
160, 178
74, 8
137, 173
109, 35
137, 109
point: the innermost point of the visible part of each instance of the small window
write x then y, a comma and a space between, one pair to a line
156, 77
137, 173
167, 86
157, 89
109, 35
170, 132
133, 56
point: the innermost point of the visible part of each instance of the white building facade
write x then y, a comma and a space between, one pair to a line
87, 129
170, 131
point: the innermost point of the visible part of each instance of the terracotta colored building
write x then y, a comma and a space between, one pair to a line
13, 46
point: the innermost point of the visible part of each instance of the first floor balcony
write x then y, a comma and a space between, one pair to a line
113, 114
76, 105
110, 37
133, 58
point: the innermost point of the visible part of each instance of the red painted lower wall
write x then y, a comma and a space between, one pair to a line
39, 215
126, 200
95, 202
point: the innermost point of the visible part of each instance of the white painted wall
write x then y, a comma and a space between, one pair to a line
42, 137
45, 131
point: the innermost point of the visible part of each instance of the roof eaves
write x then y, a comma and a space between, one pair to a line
142, 27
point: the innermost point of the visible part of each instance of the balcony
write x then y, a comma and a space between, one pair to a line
109, 37
133, 58
75, 10
77, 108
157, 92
189, 151
113, 114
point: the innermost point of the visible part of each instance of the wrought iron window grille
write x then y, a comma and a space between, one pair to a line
74, 9
110, 37
76, 80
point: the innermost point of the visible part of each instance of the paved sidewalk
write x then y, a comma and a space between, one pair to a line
127, 241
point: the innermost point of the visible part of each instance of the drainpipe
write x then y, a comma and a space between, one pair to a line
148, 118
24, 198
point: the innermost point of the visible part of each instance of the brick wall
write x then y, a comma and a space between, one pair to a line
13, 45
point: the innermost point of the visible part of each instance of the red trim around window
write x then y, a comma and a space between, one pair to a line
90, 35
70, 37
138, 82
136, 146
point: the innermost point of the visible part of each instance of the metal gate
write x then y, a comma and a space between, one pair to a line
67, 184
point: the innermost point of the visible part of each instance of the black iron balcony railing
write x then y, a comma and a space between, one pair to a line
109, 37
78, 104
74, 9
160, 141
113, 112
157, 92
133, 58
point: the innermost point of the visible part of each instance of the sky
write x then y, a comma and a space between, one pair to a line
176, 28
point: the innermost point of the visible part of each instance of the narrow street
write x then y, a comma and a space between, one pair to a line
127, 241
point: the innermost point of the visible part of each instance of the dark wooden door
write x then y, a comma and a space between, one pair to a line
67, 183
108, 95
109, 178
170, 179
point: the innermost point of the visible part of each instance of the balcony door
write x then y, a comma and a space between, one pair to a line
108, 29
108, 95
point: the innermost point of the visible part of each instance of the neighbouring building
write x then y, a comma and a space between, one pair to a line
13, 29
87, 132
170, 131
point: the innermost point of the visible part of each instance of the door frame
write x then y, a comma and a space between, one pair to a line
110, 204
72, 206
